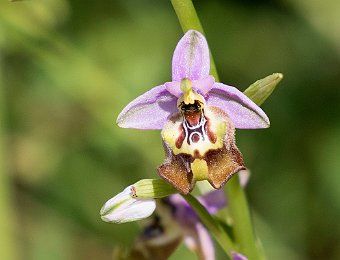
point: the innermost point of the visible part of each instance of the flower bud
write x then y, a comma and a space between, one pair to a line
136, 201
125, 208
152, 188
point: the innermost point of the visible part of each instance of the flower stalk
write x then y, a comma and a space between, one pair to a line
243, 229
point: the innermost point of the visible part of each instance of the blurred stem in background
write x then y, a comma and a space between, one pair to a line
242, 224
7, 241
188, 19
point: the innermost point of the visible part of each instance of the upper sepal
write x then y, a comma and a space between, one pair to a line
151, 110
243, 112
191, 57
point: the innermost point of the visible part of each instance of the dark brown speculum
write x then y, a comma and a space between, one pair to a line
200, 145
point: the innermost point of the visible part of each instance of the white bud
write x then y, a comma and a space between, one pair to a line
125, 208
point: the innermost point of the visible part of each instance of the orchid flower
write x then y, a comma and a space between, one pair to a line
196, 236
197, 116
174, 221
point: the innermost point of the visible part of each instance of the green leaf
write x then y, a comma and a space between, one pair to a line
262, 89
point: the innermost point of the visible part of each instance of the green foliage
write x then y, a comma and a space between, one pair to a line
69, 67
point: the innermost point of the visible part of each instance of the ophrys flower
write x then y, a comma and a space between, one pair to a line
198, 117
173, 221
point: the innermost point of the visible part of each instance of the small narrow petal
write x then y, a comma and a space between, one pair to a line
197, 239
184, 213
243, 112
149, 111
191, 57
237, 256
124, 208
201, 86
213, 201
174, 87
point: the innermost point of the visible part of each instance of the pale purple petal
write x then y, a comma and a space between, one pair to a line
213, 201
184, 213
174, 87
149, 111
201, 86
237, 256
243, 112
191, 57
197, 238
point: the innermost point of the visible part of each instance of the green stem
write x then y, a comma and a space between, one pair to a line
211, 224
188, 19
6, 212
242, 225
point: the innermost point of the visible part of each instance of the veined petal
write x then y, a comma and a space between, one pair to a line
149, 111
124, 208
191, 57
243, 112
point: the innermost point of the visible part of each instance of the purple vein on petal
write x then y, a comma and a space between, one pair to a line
150, 110
243, 112
191, 57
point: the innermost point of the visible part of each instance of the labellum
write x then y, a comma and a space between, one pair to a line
199, 142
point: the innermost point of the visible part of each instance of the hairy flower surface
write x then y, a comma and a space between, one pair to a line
198, 117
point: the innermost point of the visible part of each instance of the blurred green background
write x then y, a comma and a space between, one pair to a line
67, 68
